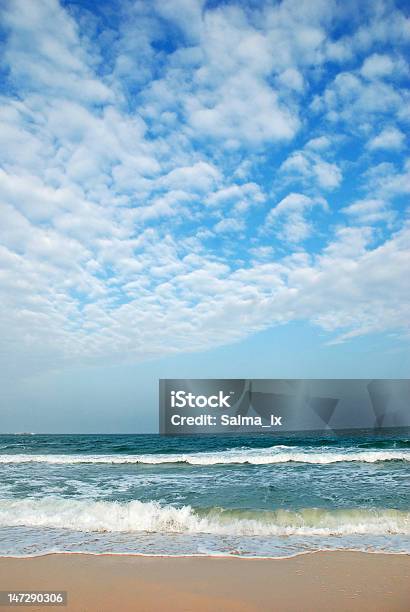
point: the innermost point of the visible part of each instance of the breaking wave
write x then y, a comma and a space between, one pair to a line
275, 454
136, 516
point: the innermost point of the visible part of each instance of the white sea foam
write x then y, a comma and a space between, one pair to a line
136, 516
263, 456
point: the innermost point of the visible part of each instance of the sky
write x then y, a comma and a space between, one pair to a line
198, 189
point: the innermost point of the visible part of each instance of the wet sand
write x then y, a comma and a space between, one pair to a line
337, 581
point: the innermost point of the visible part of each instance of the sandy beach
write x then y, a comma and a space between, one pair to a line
340, 581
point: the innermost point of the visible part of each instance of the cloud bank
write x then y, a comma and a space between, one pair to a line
178, 175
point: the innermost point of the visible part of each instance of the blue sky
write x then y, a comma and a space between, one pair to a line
194, 189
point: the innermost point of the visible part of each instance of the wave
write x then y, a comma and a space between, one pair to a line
272, 455
386, 444
136, 516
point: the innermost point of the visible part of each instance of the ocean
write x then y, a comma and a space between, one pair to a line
273, 495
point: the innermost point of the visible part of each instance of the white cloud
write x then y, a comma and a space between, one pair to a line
229, 225
262, 253
247, 110
291, 78
355, 101
377, 65
329, 176
389, 139
370, 211
186, 14
241, 196
287, 219
38, 57
319, 144
387, 181
200, 177
308, 166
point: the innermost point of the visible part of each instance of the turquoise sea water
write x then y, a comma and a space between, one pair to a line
260, 495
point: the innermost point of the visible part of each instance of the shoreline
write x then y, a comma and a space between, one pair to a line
317, 581
205, 555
